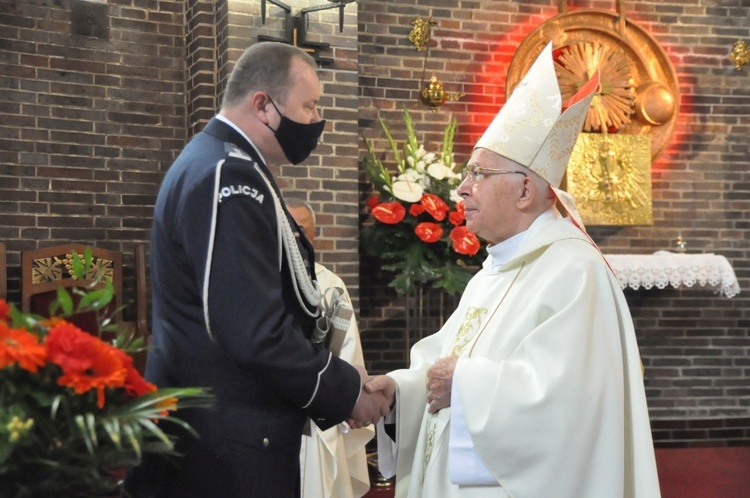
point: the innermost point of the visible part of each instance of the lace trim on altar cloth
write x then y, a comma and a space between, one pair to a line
663, 269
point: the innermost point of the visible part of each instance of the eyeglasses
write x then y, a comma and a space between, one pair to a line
475, 173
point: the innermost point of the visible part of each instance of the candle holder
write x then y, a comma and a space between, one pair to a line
680, 245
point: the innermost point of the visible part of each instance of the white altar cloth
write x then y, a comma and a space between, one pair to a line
678, 270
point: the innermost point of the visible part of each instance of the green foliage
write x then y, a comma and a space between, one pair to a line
412, 261
56, 443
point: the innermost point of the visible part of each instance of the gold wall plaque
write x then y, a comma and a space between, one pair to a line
610, 178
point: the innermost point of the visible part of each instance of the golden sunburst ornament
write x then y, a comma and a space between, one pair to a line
614, 100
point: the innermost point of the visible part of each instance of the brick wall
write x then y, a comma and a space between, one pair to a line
695, 345
329, 177
99, 97
93, 106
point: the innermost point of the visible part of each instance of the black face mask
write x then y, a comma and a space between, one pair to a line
297, 140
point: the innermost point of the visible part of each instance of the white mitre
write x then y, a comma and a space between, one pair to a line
531, 130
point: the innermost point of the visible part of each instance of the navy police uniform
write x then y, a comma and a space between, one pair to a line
225, 316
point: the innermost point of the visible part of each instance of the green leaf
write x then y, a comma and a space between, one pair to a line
448, 136
97, 299
394, 145
379, 176
64, 301
81, 424
412, 144
112, 427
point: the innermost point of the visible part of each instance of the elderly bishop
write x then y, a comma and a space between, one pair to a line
533, 388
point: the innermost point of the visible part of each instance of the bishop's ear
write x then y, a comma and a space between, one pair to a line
527, 193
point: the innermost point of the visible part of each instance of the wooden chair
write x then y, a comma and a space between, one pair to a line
141, 291
141, 303
45, 269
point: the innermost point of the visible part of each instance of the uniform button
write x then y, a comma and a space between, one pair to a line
266, 441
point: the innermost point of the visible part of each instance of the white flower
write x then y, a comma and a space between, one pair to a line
420, 152
453, 175
438, 171
429, 158
410, 160
424, 181
407, 191
410, 175
420, 166
455, 197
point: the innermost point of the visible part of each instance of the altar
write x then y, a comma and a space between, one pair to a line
677, 270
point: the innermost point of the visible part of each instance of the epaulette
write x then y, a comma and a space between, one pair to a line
234, 151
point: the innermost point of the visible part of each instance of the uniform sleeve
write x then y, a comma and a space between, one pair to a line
250, 314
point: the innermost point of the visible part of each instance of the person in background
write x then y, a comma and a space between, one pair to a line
234, 304
533, 388
333, 461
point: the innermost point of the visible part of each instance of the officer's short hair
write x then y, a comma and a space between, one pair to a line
264, 66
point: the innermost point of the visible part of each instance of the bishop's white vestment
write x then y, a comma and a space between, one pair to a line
333, 462
548, 384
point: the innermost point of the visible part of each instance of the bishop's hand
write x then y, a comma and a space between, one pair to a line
440, 382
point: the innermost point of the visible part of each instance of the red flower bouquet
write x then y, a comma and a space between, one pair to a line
73, 408
419, 225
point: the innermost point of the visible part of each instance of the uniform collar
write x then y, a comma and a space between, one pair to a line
236, 128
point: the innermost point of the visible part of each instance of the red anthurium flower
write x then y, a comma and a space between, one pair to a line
373, 201
389, 212
464, 241
435, 206
461, 209
18, 345
416, 209
428, 232
456, 218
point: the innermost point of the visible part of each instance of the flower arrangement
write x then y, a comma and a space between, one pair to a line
419, 225
73, 409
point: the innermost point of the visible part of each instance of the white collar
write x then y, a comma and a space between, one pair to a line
238, 130
501, 253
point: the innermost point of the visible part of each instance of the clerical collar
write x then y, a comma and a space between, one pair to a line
501, 253
237, 129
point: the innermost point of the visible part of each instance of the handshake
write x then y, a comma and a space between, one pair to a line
375, 400
378, 394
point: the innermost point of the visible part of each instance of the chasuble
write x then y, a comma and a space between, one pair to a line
548, 380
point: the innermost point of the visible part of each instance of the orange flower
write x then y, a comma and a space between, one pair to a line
428, 232
18, 345
389, 212
87, 362
168, 405
464, 241
135, 384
